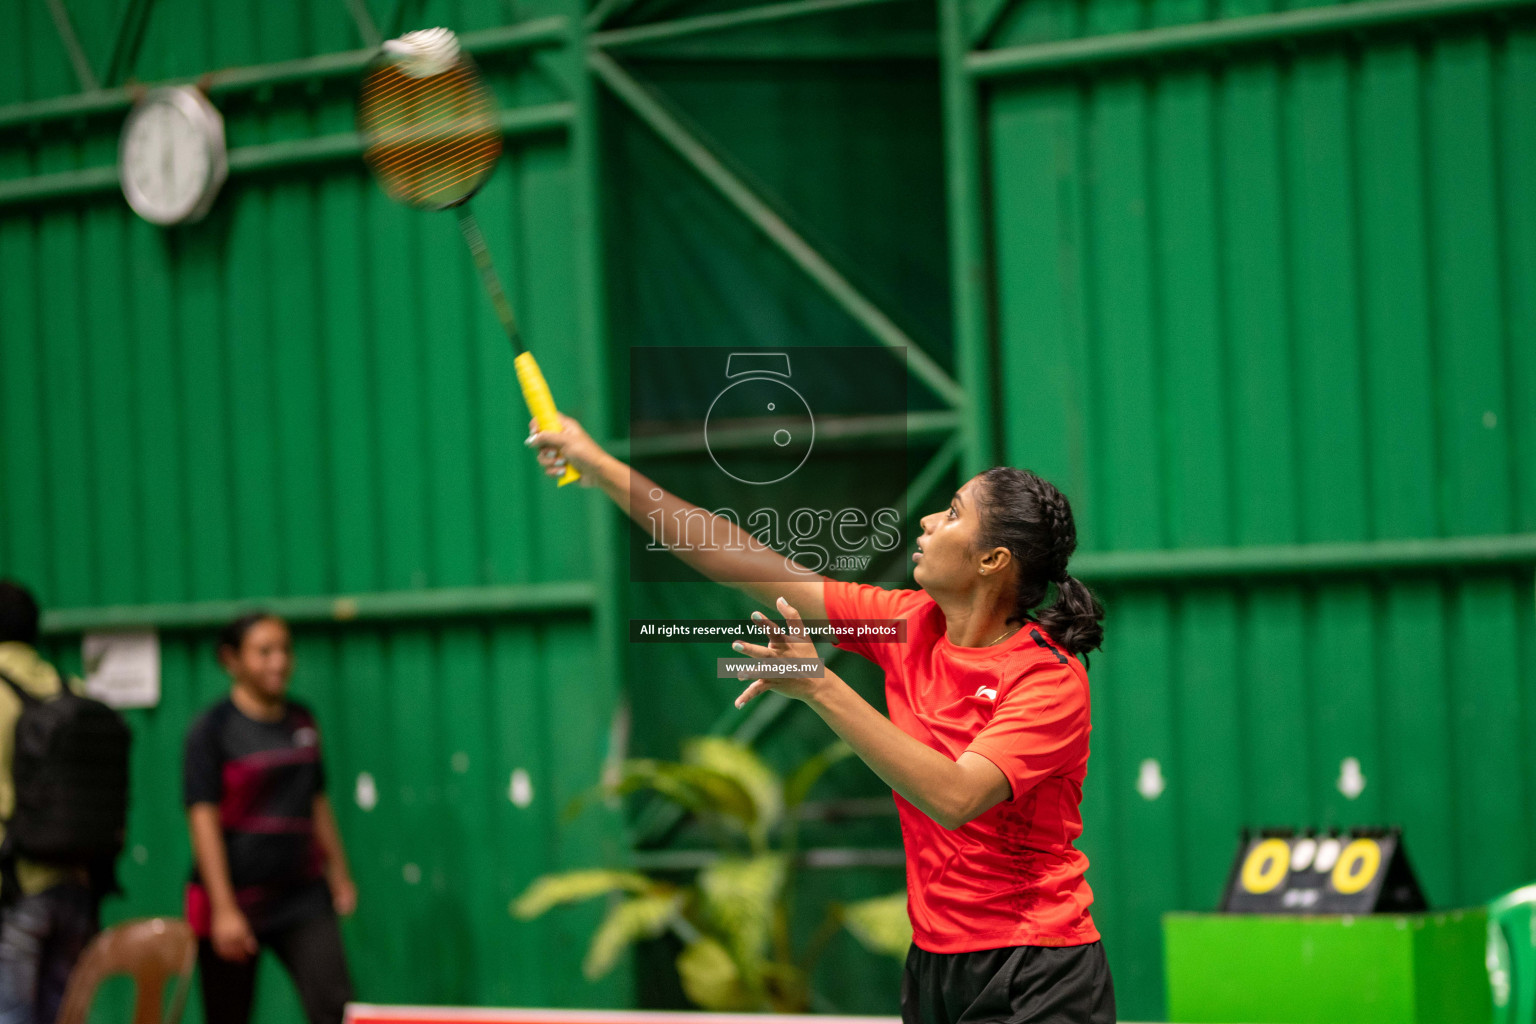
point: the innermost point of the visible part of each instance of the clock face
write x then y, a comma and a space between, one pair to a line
770, 415
171, 159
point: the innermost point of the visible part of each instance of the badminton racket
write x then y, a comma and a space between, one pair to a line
431, 137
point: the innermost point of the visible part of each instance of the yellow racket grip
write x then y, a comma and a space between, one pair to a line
541, 403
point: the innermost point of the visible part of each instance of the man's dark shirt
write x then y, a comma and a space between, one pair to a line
264, 777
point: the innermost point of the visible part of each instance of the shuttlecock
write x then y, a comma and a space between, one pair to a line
424, 53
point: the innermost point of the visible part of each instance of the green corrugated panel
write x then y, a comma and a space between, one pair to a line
22, 405
13, 85
326, 429
306, 394
353, 456
1323, 298
1396, 345
65, 486
160, 418
1256, 316
1516, 87
1128, 472
300, 369
1326, 715
1465, 284
110, 380
1133, 685
1037, 186
1490, 693
1040, 22
1277, 300
1212, 799
1342, 638
1278, 705
49, 74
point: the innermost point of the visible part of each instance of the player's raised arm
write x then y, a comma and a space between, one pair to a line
741, 561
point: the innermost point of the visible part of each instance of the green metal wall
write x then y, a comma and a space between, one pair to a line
1264, 297
302, 397
1254, 284
831, 125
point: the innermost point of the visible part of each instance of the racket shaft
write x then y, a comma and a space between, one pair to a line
529, 377
470, 227
541, 403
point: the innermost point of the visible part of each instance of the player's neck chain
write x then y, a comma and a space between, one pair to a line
1007, 632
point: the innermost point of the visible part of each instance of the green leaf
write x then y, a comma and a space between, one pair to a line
698, 788
724, 795
643, 917
739, 896
740, 763
570, 886
711, 978
881, 925
811, 770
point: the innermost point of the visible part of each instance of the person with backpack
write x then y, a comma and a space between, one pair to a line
64, 803
270, 870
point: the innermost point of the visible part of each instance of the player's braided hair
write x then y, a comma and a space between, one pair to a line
1033, 520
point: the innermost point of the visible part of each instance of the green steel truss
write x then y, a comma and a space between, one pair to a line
966, 430
969, 64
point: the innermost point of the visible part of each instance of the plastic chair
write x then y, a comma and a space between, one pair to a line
1512, 956
153, 952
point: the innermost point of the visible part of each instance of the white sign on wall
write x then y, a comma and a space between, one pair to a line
122, 670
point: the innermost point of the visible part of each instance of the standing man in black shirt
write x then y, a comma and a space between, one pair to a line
270, 869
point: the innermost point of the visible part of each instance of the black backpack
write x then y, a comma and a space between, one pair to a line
70, 770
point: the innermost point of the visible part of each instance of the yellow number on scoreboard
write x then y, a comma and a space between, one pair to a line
1266, 866
1357, 865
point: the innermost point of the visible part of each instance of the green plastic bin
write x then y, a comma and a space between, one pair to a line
1512, 956
1373, 969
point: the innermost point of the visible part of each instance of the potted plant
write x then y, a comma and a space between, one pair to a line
733, 916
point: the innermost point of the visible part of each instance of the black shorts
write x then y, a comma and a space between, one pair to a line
1018, 985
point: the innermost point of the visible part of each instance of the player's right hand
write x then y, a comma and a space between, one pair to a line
570, 445
231, 936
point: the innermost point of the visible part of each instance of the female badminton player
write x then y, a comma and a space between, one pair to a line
270, 870
986, 745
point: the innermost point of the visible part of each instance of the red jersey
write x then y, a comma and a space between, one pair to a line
1011, 876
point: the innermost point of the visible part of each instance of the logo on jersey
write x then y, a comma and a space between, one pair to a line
306, 737
986, 693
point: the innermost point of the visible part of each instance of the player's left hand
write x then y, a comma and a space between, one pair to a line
789, 641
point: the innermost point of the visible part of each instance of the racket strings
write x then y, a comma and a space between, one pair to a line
431, 141
420, 169
451, 106
386, 91
421, 181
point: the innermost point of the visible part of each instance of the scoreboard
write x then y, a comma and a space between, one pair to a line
1363, 871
